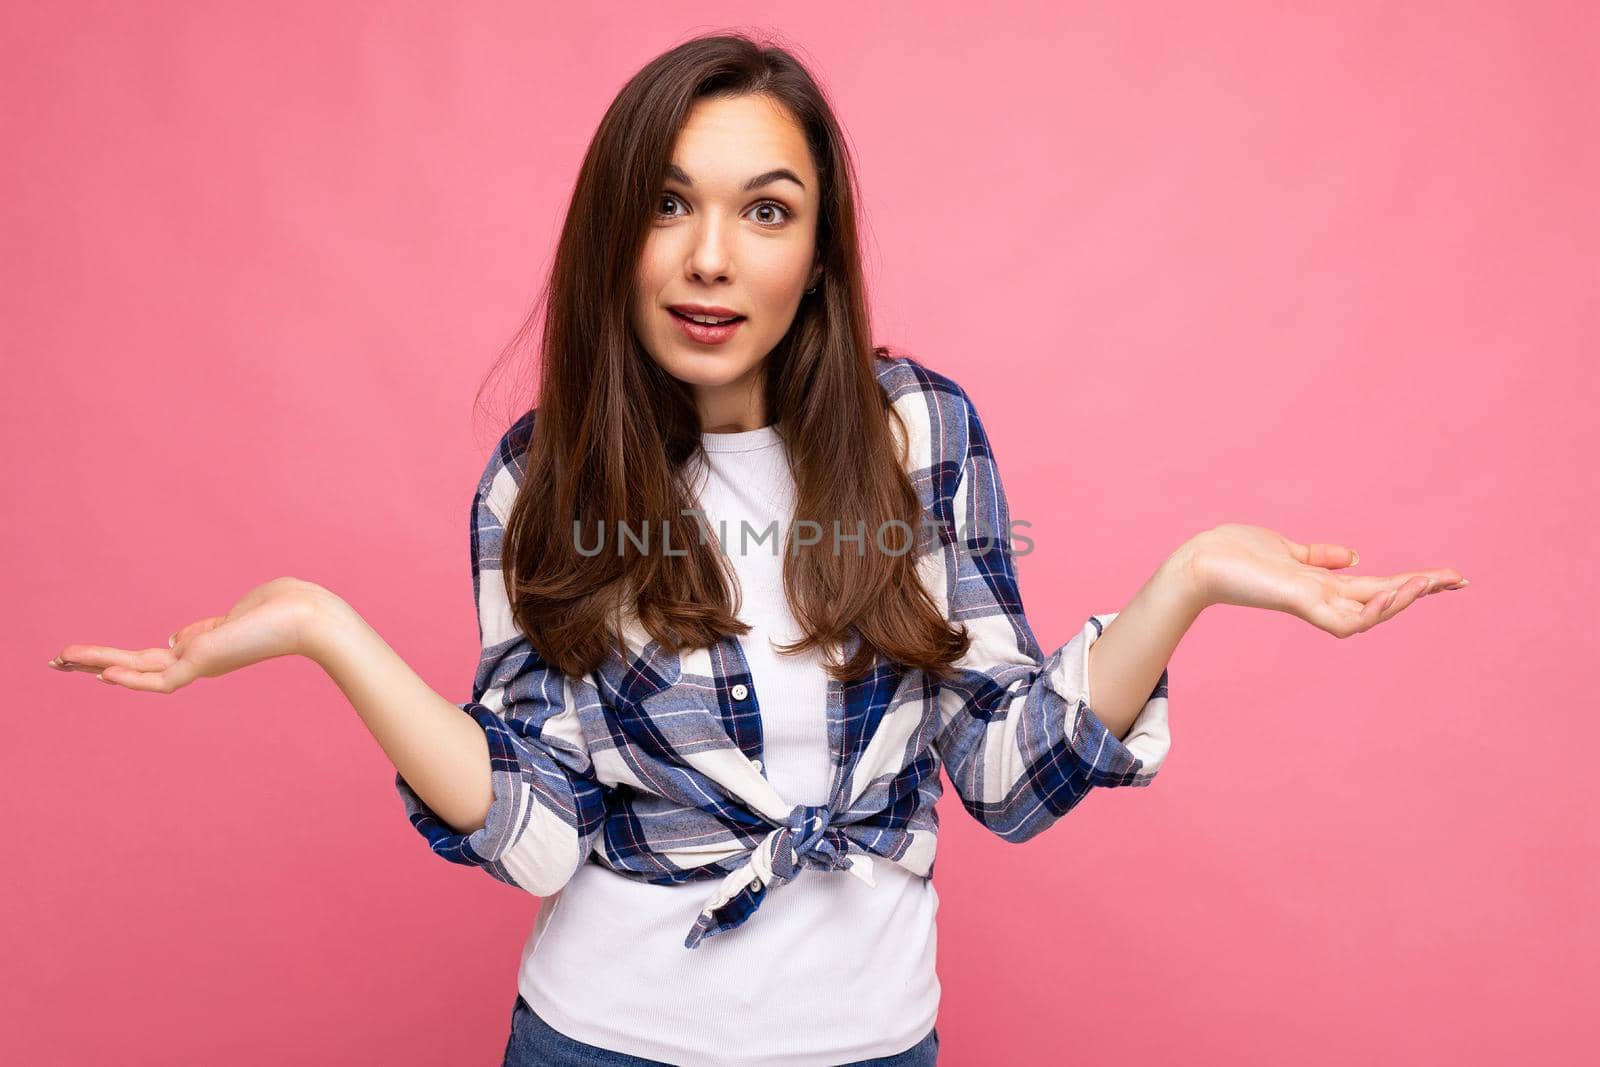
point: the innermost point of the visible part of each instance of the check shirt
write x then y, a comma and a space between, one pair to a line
651, 764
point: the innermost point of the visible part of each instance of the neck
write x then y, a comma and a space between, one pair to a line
732, 410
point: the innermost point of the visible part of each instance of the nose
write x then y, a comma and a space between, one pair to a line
709, 261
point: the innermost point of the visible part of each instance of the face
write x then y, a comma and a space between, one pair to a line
720, 242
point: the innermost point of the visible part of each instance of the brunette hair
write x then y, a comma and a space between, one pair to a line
612, 432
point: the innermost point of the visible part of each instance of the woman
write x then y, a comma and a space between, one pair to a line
670, 720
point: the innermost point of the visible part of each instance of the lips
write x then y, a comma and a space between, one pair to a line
705, 333
722, 317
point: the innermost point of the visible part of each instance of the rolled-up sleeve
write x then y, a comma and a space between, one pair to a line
548, 808
1018, 734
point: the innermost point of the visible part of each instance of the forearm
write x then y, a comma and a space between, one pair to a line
441, 753
1126, 661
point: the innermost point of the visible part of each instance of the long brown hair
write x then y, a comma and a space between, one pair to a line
612, 431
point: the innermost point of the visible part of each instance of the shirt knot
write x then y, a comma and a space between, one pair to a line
807, 838
805, 842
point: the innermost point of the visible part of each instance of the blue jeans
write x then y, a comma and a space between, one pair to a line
535, 1043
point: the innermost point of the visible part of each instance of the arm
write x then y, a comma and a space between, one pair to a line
1131, 656
1018, 736
426, 737
508, 785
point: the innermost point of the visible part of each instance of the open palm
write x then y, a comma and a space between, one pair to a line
266, 622
1254, 567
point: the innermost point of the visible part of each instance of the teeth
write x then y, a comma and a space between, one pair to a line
706, 320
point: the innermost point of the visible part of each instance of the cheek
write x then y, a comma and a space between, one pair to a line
643, 300
654, 269
777, 282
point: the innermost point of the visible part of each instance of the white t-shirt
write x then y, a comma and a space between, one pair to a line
832, 970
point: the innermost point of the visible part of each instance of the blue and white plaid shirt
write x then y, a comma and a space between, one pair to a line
651, 763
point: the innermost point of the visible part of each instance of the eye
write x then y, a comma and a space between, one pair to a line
672, 198
773, 204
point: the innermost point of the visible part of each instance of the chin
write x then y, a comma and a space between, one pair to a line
709, 368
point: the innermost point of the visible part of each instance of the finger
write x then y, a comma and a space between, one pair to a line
1344, 617
1375, 610
127, 678
194, 629
96, 658
67, 668
1322, 554
1333, 557
1397, 600
92, 657
174, 677
99, 659
1346, 606
1341, 617
1365, 587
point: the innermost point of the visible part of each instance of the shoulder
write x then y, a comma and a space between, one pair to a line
936, 410
503, 470
903, 375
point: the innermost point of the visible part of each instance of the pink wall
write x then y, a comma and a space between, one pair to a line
1330, 272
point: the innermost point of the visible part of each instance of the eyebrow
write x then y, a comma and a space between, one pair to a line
676, 173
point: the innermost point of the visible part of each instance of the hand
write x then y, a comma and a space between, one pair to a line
1254, 567
269, 621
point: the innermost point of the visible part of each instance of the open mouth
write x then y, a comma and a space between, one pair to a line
719, 322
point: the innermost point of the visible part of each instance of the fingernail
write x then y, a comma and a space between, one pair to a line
1462, 584
1355, 557
102, 677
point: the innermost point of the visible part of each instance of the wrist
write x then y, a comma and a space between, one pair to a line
327, 622
1185, 571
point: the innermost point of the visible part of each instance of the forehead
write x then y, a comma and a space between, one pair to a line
725, 141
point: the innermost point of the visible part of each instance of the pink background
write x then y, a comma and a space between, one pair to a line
1329, 272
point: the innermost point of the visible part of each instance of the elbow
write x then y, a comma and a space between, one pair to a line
466, 829
545, 857
1021, 830
1017, 835
1004, 822
546, 883
1027, 813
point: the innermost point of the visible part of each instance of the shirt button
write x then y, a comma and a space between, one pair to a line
756, 764
741, 691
